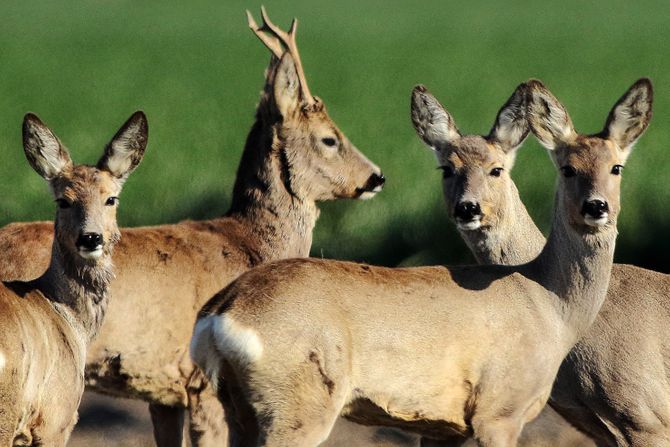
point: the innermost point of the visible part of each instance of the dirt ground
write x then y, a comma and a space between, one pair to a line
110, 422
107, 422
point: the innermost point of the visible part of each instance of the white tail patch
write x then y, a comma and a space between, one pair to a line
219, 336
3, 361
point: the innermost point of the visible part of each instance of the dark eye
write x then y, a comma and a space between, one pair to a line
616, 169
62, 203
330, 142
568, 171
495, 172
111, 201
447, 171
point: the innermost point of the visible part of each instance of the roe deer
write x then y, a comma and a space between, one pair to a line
294, 156
484, 203
613, 385
48, 323
439, 351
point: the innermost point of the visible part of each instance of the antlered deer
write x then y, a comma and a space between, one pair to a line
484, 203
47, 323
294, 157
440, 351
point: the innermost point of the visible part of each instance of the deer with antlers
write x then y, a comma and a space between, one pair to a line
440, 351
48, 323
294, 157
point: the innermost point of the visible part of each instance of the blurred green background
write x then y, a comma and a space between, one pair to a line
196, 69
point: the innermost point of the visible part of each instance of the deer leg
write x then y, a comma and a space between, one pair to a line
494, 432
207, 426
168, 425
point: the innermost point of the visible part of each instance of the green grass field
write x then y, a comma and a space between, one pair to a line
196, 69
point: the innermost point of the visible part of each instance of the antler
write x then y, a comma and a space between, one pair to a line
274, 41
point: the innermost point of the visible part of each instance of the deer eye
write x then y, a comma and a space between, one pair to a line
330, 142
111, 201
568, 171
616, 169
63, 204
495, 172
447, 171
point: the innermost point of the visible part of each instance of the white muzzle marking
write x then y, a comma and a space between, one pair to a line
593, 222
471, 225
91, 254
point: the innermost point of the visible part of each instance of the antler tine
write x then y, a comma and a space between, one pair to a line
288, 39
273, 43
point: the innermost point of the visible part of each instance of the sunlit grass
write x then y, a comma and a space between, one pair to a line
196, 70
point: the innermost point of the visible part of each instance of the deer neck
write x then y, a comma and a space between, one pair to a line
576, 268
77, 289
513, 240
279, 220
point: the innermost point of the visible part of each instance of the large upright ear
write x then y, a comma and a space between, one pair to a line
44, 151
432, 122
547, 117
511, 126
126, 149
286, 86
630, 116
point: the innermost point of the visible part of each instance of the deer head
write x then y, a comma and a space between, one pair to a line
319, 162
590, 165
87, 196
475, 169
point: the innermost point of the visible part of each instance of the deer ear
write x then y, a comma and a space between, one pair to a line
547, 117
286, 87
630, 116
126, 149
44, 151
431, 120
511, 126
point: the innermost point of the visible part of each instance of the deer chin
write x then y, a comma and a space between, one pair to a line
596, 223
365, 194
471, 225
91, 254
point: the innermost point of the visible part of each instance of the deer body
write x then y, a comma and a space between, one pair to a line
439, 351
613, 384
294, 156
48, 323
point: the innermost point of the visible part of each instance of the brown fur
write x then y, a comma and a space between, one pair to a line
426, 346
166, 273
47, 323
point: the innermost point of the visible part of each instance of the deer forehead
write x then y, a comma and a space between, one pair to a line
474, 151
85, 182
590, 154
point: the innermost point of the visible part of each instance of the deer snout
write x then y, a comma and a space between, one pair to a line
373, 185
595, 212
468, 215
376, 182
90, 245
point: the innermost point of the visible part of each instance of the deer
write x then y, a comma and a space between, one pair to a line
439, 351
294, 157
612, 386
49, 322
484, 204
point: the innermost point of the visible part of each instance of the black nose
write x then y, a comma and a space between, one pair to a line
89, 241
467, 211
375, 181
595, 208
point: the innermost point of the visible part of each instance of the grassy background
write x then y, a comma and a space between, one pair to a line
196, 70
